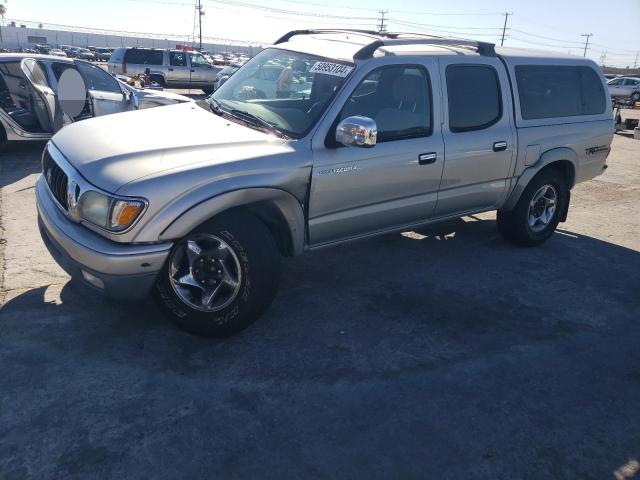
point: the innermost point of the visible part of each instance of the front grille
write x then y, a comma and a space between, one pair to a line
56, 179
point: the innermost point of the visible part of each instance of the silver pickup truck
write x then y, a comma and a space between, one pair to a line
359, 134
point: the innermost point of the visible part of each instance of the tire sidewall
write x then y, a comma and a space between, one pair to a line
557, 182
256, 288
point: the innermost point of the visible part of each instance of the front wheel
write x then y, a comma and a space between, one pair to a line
208, 90
635, 97
537, 213
221, 277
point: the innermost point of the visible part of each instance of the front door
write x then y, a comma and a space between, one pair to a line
356, 191
106, 95
478, 134
201, 70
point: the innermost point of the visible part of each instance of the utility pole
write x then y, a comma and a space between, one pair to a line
586, 43
381, 26
603, 58
200, 15
635, 62
504, 27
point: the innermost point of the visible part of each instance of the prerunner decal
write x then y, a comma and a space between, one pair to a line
328, 68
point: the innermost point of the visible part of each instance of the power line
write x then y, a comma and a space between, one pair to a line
288, 12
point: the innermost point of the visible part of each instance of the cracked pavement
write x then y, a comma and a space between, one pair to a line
442, 353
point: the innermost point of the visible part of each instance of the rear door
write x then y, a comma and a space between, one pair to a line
41, 98
105, 93
616, 87
630, 86
478, 134
179, 69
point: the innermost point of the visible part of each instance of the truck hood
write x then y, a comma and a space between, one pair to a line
114, 150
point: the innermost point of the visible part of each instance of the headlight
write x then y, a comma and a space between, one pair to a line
110, 213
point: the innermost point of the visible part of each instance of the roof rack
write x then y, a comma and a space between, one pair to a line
387, 39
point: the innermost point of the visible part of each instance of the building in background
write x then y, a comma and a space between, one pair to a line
21, 36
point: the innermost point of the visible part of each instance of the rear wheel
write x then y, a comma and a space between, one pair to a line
159, 79
221, 277
635, 96
537, 213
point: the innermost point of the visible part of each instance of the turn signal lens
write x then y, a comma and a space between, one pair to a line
124, 213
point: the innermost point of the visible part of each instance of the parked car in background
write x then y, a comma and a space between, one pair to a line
29, 109
198, 205
57, 52
43, 48
85, 54
169, 68
223, 75
625, 87
101, 54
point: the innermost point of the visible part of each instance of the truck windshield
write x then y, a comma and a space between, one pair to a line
287, 90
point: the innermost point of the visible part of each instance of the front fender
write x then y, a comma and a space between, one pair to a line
561, 154
288, 206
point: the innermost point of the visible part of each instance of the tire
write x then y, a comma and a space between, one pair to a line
515, 225
159, 79
635, 96
208, 90
251, 253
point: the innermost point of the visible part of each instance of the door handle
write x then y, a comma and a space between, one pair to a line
427, 158
192, 70
171, 69
499, 146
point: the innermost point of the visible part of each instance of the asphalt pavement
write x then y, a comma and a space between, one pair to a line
443, 353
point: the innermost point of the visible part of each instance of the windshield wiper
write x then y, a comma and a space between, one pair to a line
214, 105
257, 121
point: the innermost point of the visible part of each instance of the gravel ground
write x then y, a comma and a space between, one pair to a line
445, 353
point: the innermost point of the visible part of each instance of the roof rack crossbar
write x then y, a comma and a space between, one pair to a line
368, 33
387, 39
483, 48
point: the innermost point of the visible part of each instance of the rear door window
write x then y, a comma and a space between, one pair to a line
474, 98
551, 91
178, 59
97, 79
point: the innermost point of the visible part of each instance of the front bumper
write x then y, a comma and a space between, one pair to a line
126, 271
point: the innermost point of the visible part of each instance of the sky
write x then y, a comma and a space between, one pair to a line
541, 24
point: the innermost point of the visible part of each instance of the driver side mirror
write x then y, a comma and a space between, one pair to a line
357, 131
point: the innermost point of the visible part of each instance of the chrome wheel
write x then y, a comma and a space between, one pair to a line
542, 208
205, 272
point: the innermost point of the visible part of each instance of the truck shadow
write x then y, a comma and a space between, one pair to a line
19, 160
444, 348
410, 300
